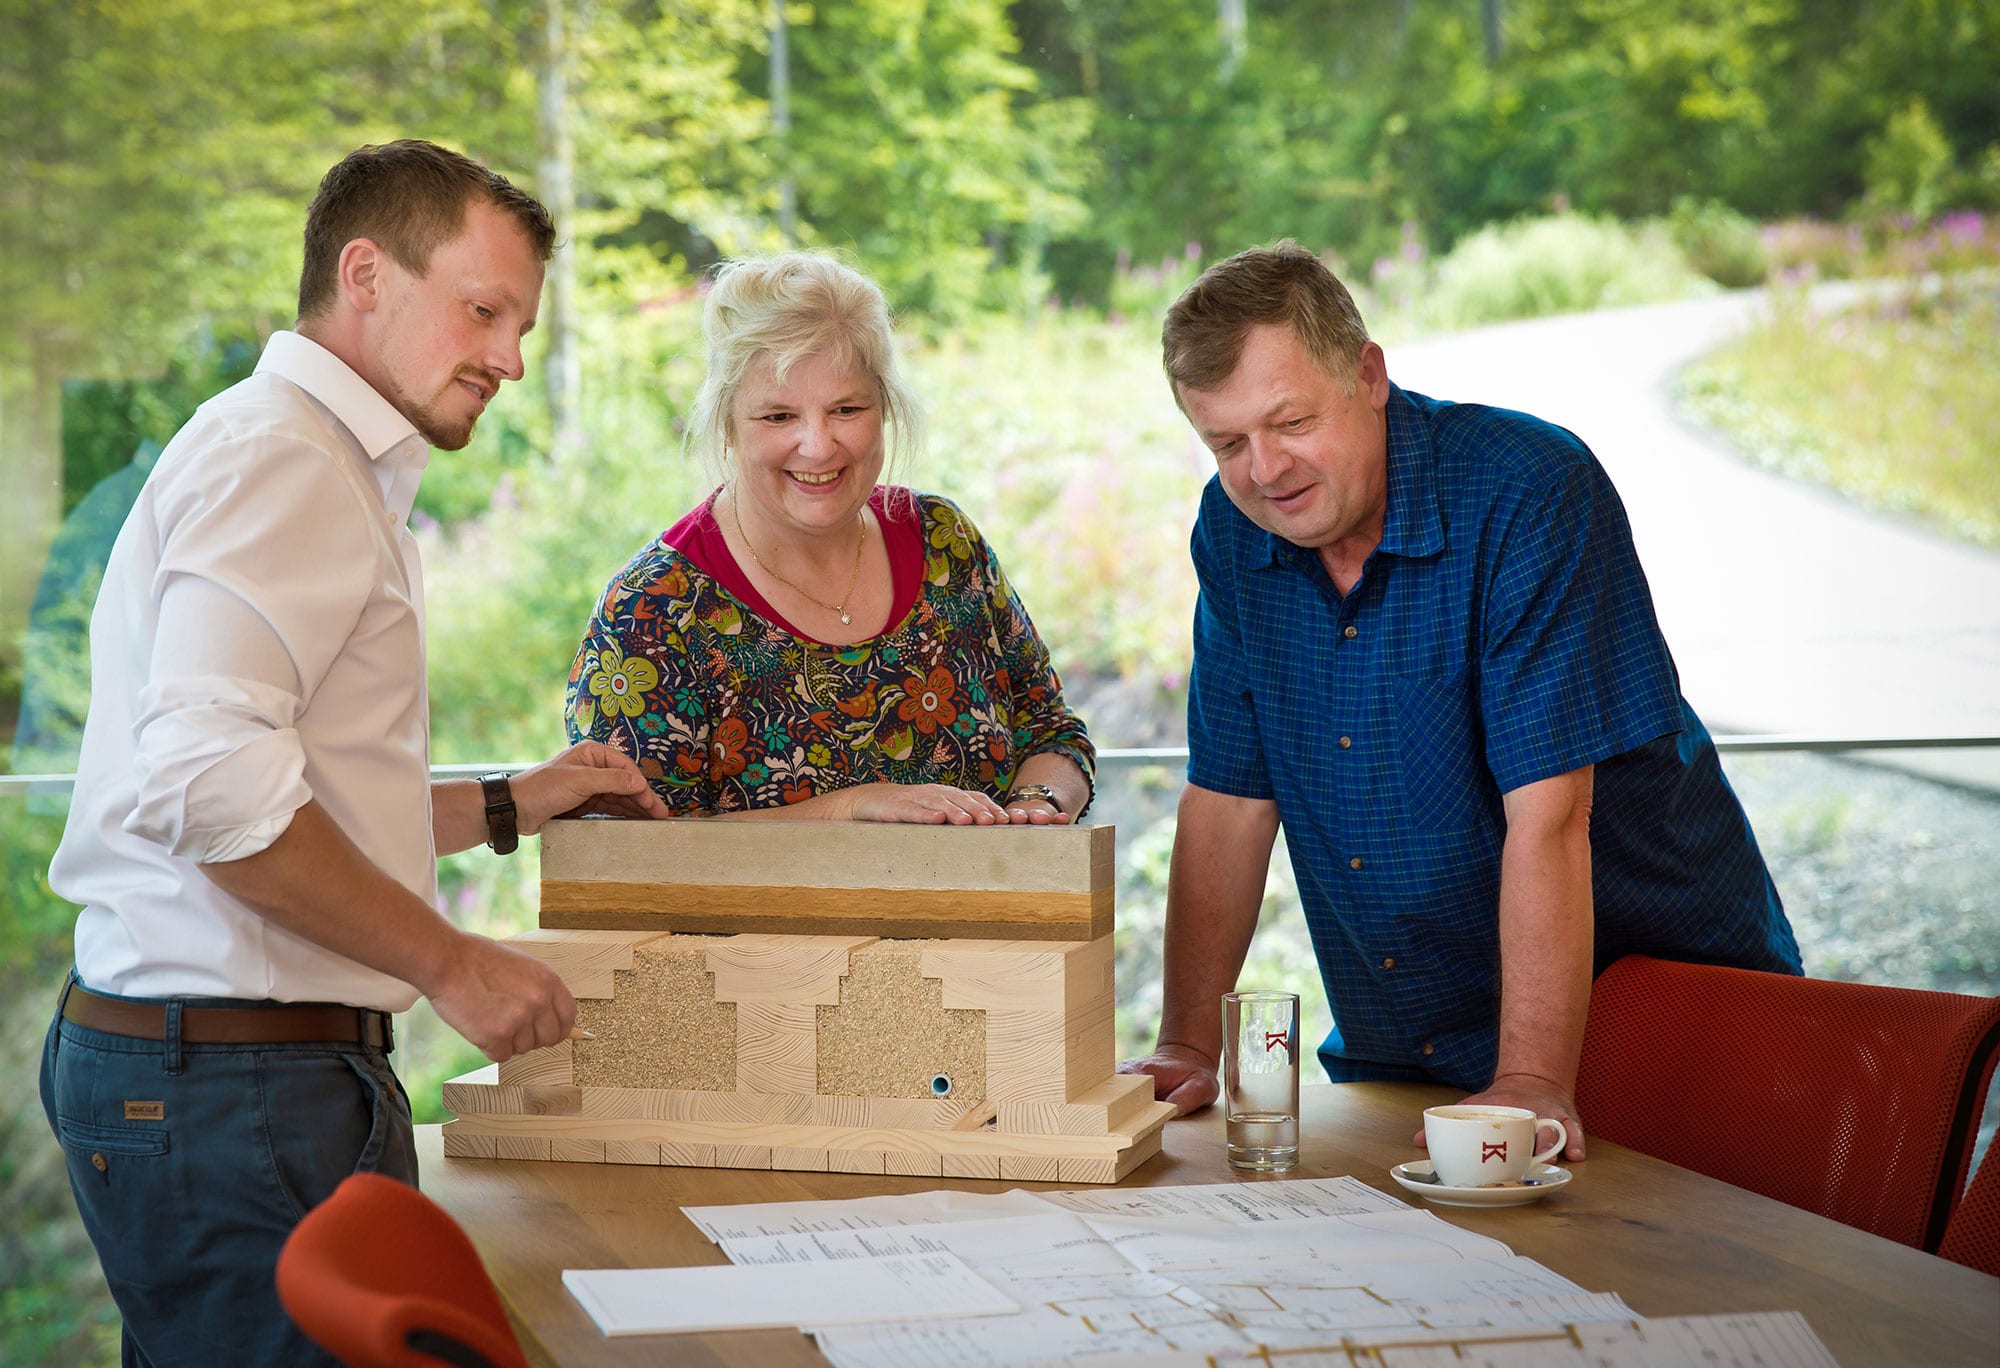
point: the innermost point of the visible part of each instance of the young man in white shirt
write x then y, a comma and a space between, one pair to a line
254, 835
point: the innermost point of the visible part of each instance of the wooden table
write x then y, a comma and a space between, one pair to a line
1667, 1240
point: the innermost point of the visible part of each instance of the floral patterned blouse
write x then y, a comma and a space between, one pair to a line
726, 707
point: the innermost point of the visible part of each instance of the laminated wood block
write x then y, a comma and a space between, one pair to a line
482, 1091
701, 1156
786, 969
460, 1143
855, 1161
775, 1050
1029, 1170
1048, 1056
1098, 1111
835, 878
1022, 975
556, 1064
585, 960
581, 1151
913, 1165
805, 1160
736, 1156
971, 1165
523, 1147
635, 1152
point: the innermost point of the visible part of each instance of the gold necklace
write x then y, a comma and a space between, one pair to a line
846, 618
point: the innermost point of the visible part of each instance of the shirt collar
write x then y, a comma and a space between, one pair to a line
390, 441
1411, 524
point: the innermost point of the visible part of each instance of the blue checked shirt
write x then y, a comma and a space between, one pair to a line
1501, 633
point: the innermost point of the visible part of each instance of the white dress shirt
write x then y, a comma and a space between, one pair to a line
258, 641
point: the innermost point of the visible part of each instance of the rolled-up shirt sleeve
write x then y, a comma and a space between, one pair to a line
264, 570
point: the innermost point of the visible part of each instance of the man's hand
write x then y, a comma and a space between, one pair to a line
1181, 1074
1533, 1093
588, 777
501, 1000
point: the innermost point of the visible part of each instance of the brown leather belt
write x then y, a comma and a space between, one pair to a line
285, 1024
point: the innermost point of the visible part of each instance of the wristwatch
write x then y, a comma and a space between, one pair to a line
1041, 791
500, 833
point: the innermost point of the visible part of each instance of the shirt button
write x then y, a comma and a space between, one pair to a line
1429, 1048
1349, 633
1347, 743
1389, 963
1354, 863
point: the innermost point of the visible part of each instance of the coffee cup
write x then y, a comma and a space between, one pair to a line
1478, 1146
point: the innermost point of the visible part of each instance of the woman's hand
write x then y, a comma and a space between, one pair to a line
920, 803
1036, 812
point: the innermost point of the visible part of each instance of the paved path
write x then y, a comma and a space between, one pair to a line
1788, 608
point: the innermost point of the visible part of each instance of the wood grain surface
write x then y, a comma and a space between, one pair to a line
1669, 1241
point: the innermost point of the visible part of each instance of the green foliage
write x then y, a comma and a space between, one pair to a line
1717, 241
1909, 166
1563, 264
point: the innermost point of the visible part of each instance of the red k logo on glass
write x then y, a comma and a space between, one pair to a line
1274, 1040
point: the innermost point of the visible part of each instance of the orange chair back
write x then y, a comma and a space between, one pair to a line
380, 1276
1855, 1101
1973, 1235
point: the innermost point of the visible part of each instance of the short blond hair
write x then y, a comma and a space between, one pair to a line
789, 307
1202, 338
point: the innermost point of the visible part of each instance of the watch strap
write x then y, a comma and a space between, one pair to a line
1041, 791
501, 833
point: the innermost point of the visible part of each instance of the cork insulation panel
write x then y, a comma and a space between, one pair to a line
662, 1028
891, 1033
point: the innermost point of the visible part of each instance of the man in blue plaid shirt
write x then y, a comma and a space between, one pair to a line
1424, 646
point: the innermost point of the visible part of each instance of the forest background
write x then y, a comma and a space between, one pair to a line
1032, 182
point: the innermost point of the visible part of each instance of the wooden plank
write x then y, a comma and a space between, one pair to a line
585, 960
788, 969
460, 1143
928, 913
913, 1165
773, 1137
1030, 1170
775, 1047
971, 1165
1086, 1170
580, 1151
697, 1156
556, 1064
805, 1160
855, 1161
1101, 1110
522, 1146
632, 1152
831, 855
729, 1156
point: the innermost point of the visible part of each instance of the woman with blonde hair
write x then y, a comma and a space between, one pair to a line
809, 642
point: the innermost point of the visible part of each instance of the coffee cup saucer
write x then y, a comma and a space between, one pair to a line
1420, 1177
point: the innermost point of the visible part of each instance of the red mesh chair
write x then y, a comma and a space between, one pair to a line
380, 1276
1973, 1235
1854, 1101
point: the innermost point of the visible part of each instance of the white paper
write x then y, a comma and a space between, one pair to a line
660, 1301
1766, 1339
859, 1213
1286, 1199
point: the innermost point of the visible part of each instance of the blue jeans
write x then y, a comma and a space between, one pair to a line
192, 1163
